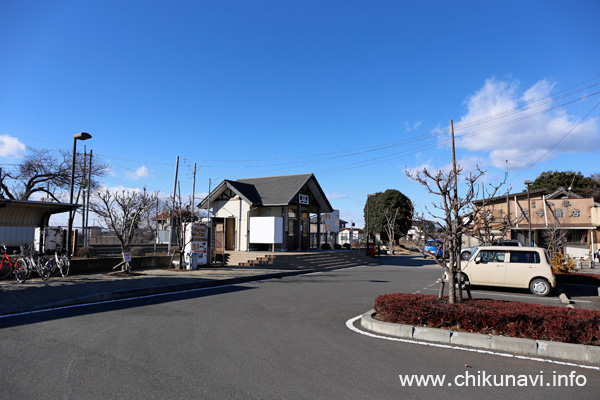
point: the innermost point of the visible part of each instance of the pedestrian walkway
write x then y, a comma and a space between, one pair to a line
36, 294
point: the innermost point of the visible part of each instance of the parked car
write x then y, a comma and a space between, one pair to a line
508, 266
466, 252
433, 247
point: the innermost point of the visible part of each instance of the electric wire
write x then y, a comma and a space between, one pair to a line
463, 131
555, 144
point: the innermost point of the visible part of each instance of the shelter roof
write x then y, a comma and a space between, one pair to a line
30, 213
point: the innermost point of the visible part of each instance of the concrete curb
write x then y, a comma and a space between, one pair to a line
528, 347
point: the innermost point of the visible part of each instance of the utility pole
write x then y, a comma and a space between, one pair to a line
455, 239
210, 228
84, 187
193, 205
172, 213
156, 225
87, 213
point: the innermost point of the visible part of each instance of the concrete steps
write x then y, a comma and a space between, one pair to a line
313, 260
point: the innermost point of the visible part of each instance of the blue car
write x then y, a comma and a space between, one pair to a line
433, 247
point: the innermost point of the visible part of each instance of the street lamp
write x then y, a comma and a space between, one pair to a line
367, 224
528, 183
79, 136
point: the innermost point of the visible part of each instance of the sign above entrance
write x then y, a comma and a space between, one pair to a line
303, 199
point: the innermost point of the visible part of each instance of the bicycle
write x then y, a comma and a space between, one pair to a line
42, 266
60, 263
18, 268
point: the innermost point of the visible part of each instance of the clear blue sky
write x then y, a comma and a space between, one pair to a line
352, 91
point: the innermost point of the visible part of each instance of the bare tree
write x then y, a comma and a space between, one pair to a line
180, 215
49, 173
123, 212
455, 213
492, 225
555, 236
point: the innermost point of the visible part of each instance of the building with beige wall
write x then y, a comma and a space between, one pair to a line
267, 214
562, 210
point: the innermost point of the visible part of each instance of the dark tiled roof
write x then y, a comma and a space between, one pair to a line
246, 190
272, 191
277, 190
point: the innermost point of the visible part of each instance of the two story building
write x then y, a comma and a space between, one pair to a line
577, 217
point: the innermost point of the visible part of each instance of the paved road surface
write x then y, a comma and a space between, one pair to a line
277, 339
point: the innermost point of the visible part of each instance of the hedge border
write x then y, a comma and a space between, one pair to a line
495, 317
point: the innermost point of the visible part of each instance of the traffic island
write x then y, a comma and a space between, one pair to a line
527, 347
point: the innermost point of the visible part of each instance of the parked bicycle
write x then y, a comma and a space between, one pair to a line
60, 263
41, 265
18, 268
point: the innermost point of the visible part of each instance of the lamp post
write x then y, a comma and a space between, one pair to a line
79, 136
367, 224
528, 183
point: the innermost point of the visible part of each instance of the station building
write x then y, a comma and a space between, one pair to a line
267, 214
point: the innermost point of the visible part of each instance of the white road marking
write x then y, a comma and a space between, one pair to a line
350, 325
117, 300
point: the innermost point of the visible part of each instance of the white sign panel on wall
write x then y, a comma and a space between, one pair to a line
266, 230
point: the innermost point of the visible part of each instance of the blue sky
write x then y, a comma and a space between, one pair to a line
352, 91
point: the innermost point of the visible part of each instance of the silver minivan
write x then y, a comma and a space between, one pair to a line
518, 267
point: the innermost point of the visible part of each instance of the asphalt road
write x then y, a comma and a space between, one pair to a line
277, 339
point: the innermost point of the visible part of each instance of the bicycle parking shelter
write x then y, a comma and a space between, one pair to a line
19, 214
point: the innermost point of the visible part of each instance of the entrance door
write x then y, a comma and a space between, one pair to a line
292, 244
218, 236
230, 234
305, 235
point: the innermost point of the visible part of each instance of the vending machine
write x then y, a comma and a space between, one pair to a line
196, 245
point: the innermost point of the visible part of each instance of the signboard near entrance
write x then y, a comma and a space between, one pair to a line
303, 199
266, 230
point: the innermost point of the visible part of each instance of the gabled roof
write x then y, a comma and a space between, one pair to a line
246, 191
278, 190
561, 193
271, 191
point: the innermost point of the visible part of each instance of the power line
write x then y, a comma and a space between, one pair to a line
556, 144
364, 150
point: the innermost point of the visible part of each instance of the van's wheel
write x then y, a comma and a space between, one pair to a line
539, 287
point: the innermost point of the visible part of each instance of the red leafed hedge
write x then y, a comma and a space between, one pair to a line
524, 320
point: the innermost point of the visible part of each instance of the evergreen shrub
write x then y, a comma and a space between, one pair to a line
87, 252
